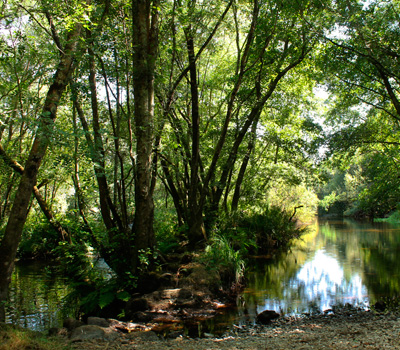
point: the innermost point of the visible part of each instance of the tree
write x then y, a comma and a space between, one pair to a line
13, 231
361, 70
145, 49
275, 40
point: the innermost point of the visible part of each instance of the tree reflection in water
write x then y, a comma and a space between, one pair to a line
341, 262
338, 262
36, 296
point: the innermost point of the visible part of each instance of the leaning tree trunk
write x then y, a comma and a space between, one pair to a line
243, 167
145, 44
19, 212
63, 235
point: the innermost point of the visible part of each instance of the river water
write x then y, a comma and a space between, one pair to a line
337, 262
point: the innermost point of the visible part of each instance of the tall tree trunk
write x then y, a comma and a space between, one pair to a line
145, 44
16, 221
196, 224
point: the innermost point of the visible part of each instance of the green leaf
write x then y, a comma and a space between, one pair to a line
124, 295
106, 299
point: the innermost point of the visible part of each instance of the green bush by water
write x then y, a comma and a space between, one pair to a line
393, 218
220, 256
259, 232
38, 242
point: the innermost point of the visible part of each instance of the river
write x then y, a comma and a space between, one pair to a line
337, 262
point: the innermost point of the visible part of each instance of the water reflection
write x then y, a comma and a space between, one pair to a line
339, 262
35, 297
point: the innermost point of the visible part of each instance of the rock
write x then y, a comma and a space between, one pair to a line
125, 327
380, 306
54, 331
187, 304
141, 316
144, 335
174, 335
92, 332
98, 321
185, 294
167, 280
70, 323
267, 316
135, 305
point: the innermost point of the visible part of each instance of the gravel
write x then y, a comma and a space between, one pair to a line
347, 329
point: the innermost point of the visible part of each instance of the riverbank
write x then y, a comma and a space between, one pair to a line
348, 328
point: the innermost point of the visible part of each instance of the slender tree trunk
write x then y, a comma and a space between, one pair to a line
145, 44
78, 190
17, 218
243, 167
254, 115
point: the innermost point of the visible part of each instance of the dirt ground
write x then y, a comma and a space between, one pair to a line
345, 330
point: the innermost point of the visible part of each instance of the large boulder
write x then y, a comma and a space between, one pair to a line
144, 336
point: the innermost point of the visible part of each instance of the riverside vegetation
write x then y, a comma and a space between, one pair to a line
176, 138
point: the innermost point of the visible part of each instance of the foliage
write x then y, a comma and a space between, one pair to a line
394, 218
367, 186
39, 242
294, 198
96, 296
271, 228
220, 256
360, 70
168, 233
94, 288
235, 125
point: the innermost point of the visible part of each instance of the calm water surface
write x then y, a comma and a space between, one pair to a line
36, 297
338, 262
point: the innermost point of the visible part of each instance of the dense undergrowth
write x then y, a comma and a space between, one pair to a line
233, 238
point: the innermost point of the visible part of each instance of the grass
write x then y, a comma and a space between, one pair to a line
17, 338
393, 219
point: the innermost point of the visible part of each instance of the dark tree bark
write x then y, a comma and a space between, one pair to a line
196, 226
145, 47
78, 190
17, 218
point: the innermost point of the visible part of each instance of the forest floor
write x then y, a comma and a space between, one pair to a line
343, 330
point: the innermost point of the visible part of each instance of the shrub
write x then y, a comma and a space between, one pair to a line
93, 290
262, 231
38, 242
220, 256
